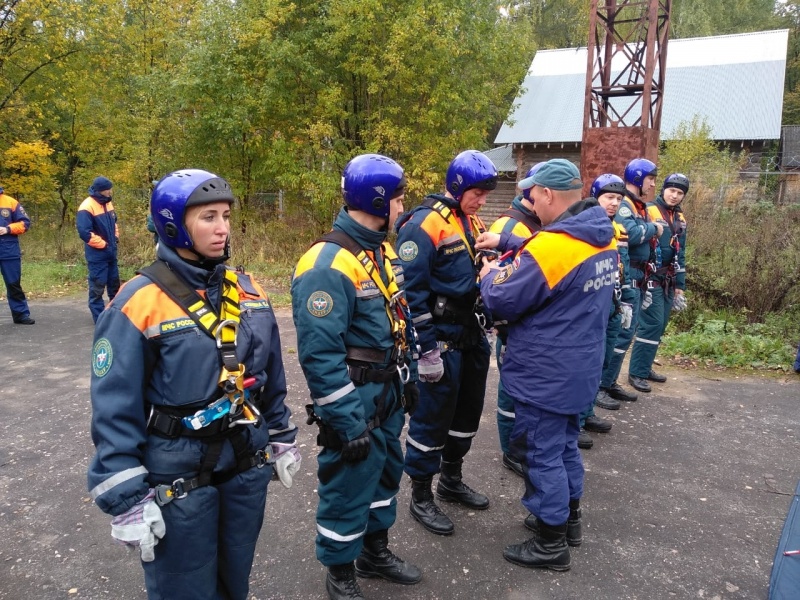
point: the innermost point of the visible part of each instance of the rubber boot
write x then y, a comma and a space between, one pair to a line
547, 549
342, 584
376, 560
452, 489
426, 511
574, 529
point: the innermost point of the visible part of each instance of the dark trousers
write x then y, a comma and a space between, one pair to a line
361, 497
103, 277
449, 412
12, 275
208, 550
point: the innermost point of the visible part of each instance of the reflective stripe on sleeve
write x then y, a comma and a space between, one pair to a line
340, 393
115, 480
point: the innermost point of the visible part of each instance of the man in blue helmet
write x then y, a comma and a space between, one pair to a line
96, 221
669, 279
188, 402
556, 295
436, 243
640, 176
518, 219
14, 222
356, 347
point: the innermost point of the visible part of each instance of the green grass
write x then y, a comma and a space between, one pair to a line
732, 343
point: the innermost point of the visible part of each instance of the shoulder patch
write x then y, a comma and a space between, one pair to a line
503, 275
320, 303
408, 251
5, 213
102, 357
624, 211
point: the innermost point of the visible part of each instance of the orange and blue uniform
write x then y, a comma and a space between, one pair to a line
96, 221
555, 296
521, 222
342, 327
436, 244
14, 218
150, 358
669, 275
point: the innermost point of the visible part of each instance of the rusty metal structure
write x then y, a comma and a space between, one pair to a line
625, 73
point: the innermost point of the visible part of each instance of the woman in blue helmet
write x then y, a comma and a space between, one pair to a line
188, 412
356, 345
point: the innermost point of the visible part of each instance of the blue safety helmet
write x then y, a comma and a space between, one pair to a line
370, 181
607, 183
470, 169
638, 169
175, 193
676, 180
526, 193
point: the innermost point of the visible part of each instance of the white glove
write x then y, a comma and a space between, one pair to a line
647, 300
627, 314
142, 525
287, 462
430, 366
679, 303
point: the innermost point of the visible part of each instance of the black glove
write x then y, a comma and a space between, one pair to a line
356, 450
410, 399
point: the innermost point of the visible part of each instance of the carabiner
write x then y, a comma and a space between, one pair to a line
225, 323
404, 372
481, 320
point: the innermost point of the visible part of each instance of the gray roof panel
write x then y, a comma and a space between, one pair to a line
740, 97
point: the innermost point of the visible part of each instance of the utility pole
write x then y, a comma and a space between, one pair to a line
625, 73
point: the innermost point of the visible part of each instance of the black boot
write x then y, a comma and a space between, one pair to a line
342, 584
657, 377
639, 383
514, 464
426, 511
617, 392
376, 560
546, 550
452, 489
574, 529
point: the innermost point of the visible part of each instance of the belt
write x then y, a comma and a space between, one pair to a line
169, 424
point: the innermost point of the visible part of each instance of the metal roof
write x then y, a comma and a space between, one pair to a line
732, 82
502, 158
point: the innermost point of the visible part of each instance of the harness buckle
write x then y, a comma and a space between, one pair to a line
164, 494
481, 320
177, 489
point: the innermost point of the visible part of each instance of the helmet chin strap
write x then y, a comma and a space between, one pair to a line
207, 262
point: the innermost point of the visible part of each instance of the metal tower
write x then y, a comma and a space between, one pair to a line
626, 68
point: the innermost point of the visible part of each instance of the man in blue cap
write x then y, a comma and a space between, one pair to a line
97, 225
555, 295
14, 222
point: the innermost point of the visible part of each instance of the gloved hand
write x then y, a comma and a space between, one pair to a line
679, 302
287, 462
410, 397
142, 525
627, 314
431, 367
647, 299
356, 450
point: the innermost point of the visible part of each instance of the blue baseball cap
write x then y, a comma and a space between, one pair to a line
556, 174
